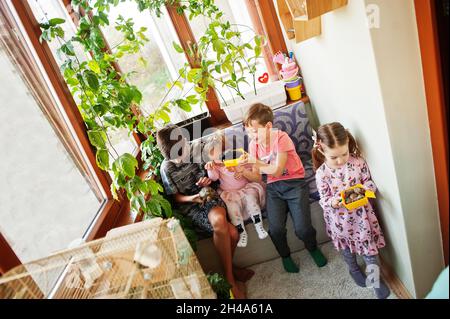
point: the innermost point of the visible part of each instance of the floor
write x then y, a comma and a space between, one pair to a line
329, 282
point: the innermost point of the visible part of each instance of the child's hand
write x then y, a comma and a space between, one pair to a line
204, 181
197, 199
210, 166
337, 203
240, 172
247, 159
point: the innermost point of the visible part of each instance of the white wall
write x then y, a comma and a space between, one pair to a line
371, 81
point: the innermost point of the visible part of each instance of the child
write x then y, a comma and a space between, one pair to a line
184, 179
242, 198
273, 153
339, 165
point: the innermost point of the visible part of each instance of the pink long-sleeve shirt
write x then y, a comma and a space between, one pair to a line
227, 180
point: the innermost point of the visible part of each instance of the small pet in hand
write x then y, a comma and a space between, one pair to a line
207, 194
353, 195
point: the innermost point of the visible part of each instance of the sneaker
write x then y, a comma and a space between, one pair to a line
242, 239
262, 233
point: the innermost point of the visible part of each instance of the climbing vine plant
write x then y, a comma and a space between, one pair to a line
107, 100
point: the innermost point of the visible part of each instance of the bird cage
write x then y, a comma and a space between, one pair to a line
151, 259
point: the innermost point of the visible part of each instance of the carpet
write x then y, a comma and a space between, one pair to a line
329, 282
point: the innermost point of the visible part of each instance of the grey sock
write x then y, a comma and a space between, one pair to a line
374, 274
354, 270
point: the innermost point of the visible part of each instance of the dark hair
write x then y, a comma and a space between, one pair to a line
332, 135
258, 112
165, 139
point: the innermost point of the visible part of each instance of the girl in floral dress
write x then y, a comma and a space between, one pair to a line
339, 165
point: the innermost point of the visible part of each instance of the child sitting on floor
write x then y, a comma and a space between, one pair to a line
243, 198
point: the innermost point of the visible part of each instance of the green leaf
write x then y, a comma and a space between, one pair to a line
154, 208
219, 46
114, 191
56, 21
177, 47
126, 164
163, 116
97, 138
72, 82
91, 80
184, 105
68, 49
258, 40
102, 159
93, 65
194, 75
192, 99
257, 51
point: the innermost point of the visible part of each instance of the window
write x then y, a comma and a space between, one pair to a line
47, 202
48, 9
239, 15
162, 62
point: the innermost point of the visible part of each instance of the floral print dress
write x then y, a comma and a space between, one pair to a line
357, 229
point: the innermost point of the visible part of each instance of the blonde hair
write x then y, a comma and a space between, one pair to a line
332, 135
216, 140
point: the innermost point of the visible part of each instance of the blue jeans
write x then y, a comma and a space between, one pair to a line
292, 195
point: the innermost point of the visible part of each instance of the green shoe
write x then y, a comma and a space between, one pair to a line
318, 257
289, 265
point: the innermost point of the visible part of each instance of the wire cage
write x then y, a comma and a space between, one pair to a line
151, 259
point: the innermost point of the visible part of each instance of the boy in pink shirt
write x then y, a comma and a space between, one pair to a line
273, 153
243, 199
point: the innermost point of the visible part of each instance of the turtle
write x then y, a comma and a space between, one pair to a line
353, 195
207, 194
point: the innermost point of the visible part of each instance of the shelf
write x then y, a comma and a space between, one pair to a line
305, 10
301, 19
297, 29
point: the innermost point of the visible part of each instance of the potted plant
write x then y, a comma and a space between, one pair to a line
223, 59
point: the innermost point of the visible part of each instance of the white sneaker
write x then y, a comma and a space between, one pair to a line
262, 233
242, 239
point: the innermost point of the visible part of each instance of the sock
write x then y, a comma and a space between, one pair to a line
354, 270
318, 257
262, 233
289, 265
374, 274
242, 236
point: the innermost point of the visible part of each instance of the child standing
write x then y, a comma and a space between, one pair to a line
242, 198
183, 179
273, 153
339, 165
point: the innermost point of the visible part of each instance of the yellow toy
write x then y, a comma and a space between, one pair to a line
236, 156
351, 202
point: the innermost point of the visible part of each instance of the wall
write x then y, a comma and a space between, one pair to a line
370, 80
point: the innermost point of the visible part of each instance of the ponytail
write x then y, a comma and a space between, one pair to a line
332, 135
352, 145
317, 157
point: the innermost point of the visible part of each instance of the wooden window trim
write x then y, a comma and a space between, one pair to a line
187, 39
434, 90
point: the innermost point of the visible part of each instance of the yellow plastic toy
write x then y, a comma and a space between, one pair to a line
361, 202
234, 162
